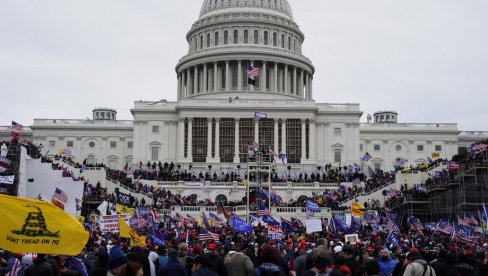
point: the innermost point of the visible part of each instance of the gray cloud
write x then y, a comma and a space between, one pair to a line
427, 60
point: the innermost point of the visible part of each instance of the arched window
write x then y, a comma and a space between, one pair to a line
226, 37
91, 159
216, 39
208, 40
289, 43
275, 39
201, 42
246, 36
283, 41
236, 36
221, 199
256, 37
265, 37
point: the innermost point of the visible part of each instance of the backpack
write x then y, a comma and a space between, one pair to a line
328, 272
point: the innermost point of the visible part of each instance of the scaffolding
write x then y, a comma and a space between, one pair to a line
258, 181
457, 194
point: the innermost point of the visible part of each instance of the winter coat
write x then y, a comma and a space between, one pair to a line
239, 264
417, 267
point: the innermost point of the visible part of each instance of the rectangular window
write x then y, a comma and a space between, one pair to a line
52, 143
113, 145
361, 147
154, 153
337, 131
337, 155
438, 148
376, 147
377, 166
420, 147
130, 145
155, 129
69, 144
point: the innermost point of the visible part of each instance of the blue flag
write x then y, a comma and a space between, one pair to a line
77, 264
205, 221
240, 225
340, 225
270, 220
312, 206
392, 238
158, 237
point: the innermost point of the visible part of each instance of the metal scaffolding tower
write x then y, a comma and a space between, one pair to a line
258, 182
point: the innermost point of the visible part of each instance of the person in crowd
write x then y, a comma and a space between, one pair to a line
202, 266
238, 263
173, 267
371, 268
321, 264
216, 261
101, 264
301, 260
387, 264
40, 266
417, 266
116, 262
269, 262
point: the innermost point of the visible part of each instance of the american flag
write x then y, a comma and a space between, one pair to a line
209, 236
472, 220
252, 71
263, 211
416, 226
463, 221
392, 227
60, 195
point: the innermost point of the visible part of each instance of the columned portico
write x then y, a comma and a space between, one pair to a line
304, 138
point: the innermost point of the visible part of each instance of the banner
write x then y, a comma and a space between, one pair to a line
274, 232
240, 225
111, 223
7, 179
313, 225
35, 226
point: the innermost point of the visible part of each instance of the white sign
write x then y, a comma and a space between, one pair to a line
351, 238
111, 223
7, 179
313, 225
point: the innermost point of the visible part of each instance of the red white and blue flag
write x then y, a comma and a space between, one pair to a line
15, 129
60, 195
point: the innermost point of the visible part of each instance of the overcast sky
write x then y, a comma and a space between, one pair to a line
427, 60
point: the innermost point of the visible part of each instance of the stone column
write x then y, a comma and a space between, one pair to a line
275, 144
204, 88
188, 82
209, 139
179, 87
294, 90
285, 77
236, 142
217, 139
263, 78
256, 131
227, 76
239, 75
308, 86
310, 95
275, 80
304, 146
283, 136
215, 81
181, 139
312, 141
190, 140
300, 84
195, 81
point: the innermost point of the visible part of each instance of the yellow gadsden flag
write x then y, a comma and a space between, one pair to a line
126, 232
122, 209
357, 209
35, 226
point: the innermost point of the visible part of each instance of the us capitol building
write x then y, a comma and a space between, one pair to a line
212, 120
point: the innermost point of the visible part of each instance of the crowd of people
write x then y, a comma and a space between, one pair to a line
184, 251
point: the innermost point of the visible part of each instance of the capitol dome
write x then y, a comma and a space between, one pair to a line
279, 7
230, 36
